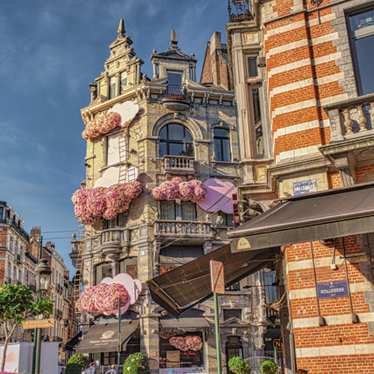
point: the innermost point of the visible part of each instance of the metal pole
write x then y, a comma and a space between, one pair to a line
37, 332
218, 334
34, 352
37, 348
119, 334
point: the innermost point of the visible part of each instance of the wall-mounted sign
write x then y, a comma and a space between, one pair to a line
305, 186
332, 289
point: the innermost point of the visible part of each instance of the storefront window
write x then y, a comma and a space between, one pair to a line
171, 357
234, 348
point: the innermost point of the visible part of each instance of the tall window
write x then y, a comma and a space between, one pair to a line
254, 95
252, 67
170, 210
174, 83
112, 87
102, 271
361, 26
222, 144
123, 81
175, 140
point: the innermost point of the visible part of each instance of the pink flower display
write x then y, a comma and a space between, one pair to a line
102, 124
91, 204
103, 299
187, 343
176, 188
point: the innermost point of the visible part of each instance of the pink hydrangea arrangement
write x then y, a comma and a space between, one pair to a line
91, 204
103, 299
102, 124
176, 188
187, 343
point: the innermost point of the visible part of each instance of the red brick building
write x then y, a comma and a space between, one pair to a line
316, 108
304, 90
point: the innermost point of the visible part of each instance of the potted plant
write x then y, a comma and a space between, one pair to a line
268, 367
136, 363
76, 364
239, 366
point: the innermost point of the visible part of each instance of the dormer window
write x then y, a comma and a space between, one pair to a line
174, 83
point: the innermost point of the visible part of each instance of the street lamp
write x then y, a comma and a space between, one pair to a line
43, 274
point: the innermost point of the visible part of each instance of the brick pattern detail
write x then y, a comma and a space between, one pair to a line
304, 278
301, 38
364, 173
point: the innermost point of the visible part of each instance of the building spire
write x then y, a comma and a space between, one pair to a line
121, 31
173, 39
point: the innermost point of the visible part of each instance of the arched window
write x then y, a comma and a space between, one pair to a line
222, 144
175, 140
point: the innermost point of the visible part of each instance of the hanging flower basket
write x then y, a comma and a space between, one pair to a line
91, 204
102, 124
186, 343
192, 190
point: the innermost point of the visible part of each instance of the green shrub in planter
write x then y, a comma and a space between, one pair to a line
136, 363
268, 367
239, 366
76, 364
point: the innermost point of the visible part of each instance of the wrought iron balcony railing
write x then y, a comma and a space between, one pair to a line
351, 118
181, 229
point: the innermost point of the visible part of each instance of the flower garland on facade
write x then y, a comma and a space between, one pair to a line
186, 343
102, 124
192, 190
103, 299
91, 204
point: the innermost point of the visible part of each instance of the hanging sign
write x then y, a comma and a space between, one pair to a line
332, 289
37, 324
217, 277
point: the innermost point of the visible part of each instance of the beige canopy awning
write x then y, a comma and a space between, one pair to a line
316, 216
184, 323
104, 337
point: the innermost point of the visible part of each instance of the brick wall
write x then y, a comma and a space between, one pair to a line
340, 346
303, 75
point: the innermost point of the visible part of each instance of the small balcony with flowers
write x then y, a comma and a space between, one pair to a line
193, 211
179, 216
104, 209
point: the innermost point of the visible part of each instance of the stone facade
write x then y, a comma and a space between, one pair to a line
320, 136
150, 238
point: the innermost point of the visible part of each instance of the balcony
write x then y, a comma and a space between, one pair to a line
351, 118
183, 229
352, 130
111, 240
175, 99
179, 165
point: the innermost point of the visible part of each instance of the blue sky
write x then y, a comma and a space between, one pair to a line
50, 51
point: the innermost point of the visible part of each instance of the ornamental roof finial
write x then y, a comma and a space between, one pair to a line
121, 31
173, 39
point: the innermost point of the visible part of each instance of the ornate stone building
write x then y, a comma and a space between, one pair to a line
179, 128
